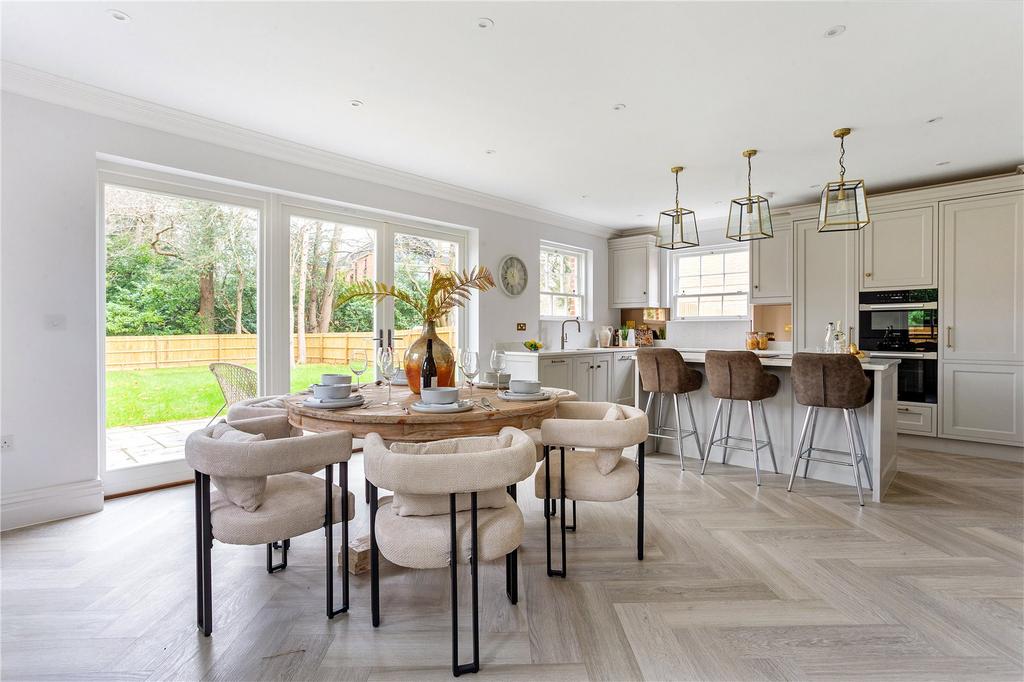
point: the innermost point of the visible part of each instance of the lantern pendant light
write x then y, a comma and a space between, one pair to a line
750, 217
844, 204
677, 227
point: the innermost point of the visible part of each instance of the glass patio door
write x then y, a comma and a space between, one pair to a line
180, 299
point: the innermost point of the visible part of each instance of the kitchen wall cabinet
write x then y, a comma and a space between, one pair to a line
899, 249
771, 268
983, 402
825, 284
982, 288
633, 275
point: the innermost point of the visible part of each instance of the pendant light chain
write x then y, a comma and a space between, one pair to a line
842, 156
749, 191
677, 190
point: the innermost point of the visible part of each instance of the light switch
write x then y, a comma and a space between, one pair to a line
56, 322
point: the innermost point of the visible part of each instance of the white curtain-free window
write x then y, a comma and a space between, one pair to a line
711, 284
563, 281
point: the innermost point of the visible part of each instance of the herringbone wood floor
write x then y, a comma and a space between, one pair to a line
738, 584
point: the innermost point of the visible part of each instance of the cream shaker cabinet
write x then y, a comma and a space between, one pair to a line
826, 283
771, 268
983, 402
623, 366
982, 289
899, 249
633, 272
555, 372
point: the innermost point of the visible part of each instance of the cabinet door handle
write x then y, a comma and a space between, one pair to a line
558, 362
903, 409
949, 337
867, 274
757, 286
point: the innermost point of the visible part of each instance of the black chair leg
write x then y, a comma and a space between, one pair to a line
374, 560
571, 527
207, 545
459, 669
200, 585
640, 504
512, 564
284, 546
329, 535
547, 496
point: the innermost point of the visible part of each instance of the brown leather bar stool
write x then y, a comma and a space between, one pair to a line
835, 381
738, 375
663, 372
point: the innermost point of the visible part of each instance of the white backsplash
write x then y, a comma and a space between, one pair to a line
722, 335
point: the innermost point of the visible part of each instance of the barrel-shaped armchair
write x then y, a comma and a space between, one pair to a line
262, 406
454, 502
594, 469
263, 496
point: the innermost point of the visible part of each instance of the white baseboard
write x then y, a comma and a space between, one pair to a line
30, 507
1007, 453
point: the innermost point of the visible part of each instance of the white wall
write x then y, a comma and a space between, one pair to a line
48, 265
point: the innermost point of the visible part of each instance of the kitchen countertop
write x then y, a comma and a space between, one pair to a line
572, 351
769, 358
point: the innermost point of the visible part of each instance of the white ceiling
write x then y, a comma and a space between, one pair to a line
701, 82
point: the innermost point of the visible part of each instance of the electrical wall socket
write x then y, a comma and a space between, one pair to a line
7, 442
520, 326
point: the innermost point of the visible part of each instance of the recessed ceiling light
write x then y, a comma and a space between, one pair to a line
619, 107
639, 215
484, 22
934, 120
355, 102
490, 151
584, 196
836, 30
118, 15
942, 163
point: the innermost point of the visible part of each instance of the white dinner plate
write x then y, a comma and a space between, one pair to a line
439, 408
524, 397
325, 404
490, 385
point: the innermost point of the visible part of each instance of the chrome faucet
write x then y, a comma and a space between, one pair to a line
565, 337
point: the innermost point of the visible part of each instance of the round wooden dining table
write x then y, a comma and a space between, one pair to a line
400, 423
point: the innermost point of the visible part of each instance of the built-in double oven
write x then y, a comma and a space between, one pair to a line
904, 324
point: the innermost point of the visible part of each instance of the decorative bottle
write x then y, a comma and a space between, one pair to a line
428, 372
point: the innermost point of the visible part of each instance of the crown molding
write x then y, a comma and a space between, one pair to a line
30, 82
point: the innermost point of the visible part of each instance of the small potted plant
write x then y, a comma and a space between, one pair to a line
533, 345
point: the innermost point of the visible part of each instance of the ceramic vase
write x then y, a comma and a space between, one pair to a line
444, 359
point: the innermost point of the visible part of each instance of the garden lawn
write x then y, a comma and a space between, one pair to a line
150, 396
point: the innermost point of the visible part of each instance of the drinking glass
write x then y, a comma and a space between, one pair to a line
389, 367
498, 361
358, 364
469, 363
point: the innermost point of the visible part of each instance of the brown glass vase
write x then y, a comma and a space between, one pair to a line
444, 359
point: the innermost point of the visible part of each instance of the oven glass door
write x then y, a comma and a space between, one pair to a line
917, 381
896, 330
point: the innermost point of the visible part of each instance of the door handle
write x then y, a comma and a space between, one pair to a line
949, 337
867, 274
391, 342
558, 362
903, 409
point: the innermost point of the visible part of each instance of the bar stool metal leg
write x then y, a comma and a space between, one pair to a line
800, 448
679, 431
768, 437
810, 442
853, 455
728, 429
863, 450
693, 423
753, 442
711, 438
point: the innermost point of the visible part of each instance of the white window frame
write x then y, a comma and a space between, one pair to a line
585, 257
674, 284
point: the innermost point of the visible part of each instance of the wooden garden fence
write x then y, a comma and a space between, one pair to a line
156, 352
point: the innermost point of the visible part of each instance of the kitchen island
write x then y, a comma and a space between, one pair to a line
785, 419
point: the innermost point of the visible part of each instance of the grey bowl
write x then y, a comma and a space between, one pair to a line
335, 379
440, 395
524, 386
332, 391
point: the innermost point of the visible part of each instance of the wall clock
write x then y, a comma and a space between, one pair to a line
512, 275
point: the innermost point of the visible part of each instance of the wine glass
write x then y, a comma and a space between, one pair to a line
389, 366
358, 364
469, 363
498, 361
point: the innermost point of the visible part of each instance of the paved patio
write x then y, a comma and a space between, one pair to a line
129, 446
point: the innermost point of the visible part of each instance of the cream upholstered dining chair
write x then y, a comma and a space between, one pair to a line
454, 502
263, 496
595, 469
260, 406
